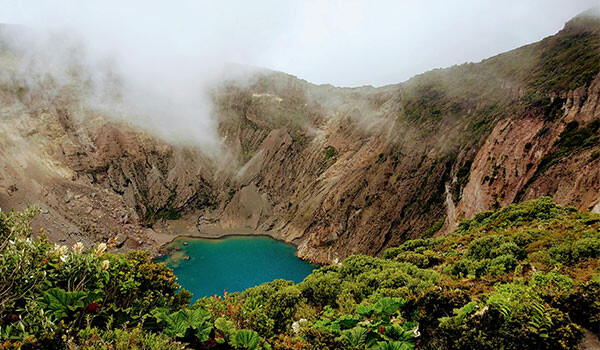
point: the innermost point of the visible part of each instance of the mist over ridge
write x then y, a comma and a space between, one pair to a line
155, 65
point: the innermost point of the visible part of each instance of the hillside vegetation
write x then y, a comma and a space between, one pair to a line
524, 277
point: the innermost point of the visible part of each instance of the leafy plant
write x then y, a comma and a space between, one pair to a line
226, 330
60, 303
356, 338
246, 339
187, 323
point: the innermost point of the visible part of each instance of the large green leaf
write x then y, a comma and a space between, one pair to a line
178, 324
203, 332
388, 306
161, 314
365, 310
246, 339
347, 321
226, 328
59, 303
356, 337
184, 322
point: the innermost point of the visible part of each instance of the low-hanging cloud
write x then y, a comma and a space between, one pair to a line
154, 70
167, 98
152, 63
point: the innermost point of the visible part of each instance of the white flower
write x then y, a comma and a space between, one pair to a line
105, 264
296, 325
482, 311
101, 249
61, 250
78, 247
416, 331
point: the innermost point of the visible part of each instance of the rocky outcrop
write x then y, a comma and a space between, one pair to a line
95, 179
522, 158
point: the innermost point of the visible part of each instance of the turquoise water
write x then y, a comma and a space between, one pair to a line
233, 264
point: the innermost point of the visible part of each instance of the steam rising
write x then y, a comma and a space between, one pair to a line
170, 102
143, 62
152, 63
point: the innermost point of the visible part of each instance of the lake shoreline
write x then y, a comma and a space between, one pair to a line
187, 225
226, 236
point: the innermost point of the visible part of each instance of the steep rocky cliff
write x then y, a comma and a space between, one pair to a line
335, 170
94, 178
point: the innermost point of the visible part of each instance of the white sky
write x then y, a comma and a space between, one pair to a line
345, 43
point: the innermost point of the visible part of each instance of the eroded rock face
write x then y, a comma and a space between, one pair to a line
364, 169
349, 190
94, 178
516, 162
337, 171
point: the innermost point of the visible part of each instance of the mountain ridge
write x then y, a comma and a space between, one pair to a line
337, 171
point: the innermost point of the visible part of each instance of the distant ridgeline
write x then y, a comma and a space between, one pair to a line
524, 277
337, 171
412, 159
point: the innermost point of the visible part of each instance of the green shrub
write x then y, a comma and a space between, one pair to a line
330, 152
551, 283
258, 296
513, 317
321, 287
509, 248
426, 259
561, 252
282, 306
586, 248
502, 264
484, 247
120, 339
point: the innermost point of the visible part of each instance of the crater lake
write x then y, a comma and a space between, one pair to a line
208, 267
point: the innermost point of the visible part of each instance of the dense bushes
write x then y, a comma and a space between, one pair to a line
524, 277
494, 258
50, 291
513, 317
121, 339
